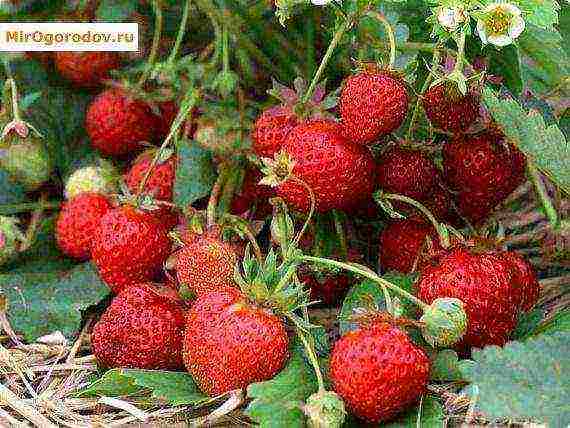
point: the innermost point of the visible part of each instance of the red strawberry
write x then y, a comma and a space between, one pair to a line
487, 283
271, 129
86, 69
117, 123
406, 172
484, 169
448, 109
253, 195
527, 290
160, 183
401, 244
129, 246
328, 289
372, 104
143, 328
206, 264
230, 343
439, 203
378, 371
77, 222
340, 173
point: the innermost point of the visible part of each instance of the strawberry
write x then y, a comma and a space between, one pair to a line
372, 104
117, 123
526, 292
206, 264
77, 222
160, 183
253, 195
143, 328
484, 169
230, 343
401, 244
340, 173
271, 129
86, 69
448, 109
439, 203
492, 287
406, 172
378, 371
327, 289
99, 176
129, 246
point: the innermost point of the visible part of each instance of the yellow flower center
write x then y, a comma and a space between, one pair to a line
499, 21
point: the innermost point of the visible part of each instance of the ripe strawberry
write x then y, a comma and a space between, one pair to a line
143, 328
77, 222
484, 169
401, 244
439, 203
378, 371
230, 343
372, 104
448, 109
129, 246
525, 294
491, 286
160, 183
340, 173
117, 123
253, 195
86, 69
271, 129
206, 264
406, 172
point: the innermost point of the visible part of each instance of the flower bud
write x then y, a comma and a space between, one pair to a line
444, 322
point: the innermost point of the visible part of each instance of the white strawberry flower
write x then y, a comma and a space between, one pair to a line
451, 18
500, 24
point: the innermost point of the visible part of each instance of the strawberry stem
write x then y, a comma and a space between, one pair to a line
15, 106
155, 43
311, 210
311, 355
542, 194
33, 225
365, 272
439, 227
341, 30
380, 17
181, 31
340, 232
215, 196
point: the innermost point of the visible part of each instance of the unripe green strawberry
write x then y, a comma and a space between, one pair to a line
10, 237
100, 177
25, 159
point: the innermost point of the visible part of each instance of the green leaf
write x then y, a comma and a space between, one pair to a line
544, 62
446, 366
277, 402
429, 413
11, 192
195, 174
545, 145
506, 63
542, 13
527, 324
368, 293
116, 10
560, 322
40, 303
174, 388
524, 380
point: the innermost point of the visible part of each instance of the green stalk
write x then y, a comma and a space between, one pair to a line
389, 31
367, 274
10, 209
310, 351
339, 229
443, 236
181, 31
155, 43
344, 27
538, 184
310, 45
311, 210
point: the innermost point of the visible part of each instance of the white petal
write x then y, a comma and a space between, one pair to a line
481, 31
517, 27
511, 8
500, 40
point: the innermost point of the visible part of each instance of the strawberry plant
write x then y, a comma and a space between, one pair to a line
288, 213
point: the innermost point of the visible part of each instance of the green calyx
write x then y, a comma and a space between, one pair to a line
444, 322
325, 409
